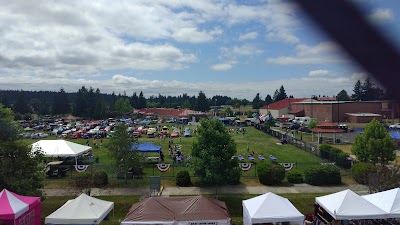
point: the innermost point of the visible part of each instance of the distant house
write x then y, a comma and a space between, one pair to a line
280, 108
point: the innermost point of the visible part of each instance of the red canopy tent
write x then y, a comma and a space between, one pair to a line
17, 209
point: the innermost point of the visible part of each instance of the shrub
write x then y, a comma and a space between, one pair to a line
295, 177
100, 179
361, 170
270, 173
323, 175
334, 155
183, 179
82, 180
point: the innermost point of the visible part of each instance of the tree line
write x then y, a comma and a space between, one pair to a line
91, 103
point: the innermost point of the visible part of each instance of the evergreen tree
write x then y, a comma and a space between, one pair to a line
4, 100
268, 100
276, 95
257, 102
367, 90
202, 103
81, 103
60, 103
282, 93
186, 104
21, 105
100, 110
141, 101
342, 96
358, 91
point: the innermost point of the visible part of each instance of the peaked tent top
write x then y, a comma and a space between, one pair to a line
347, 205
81, 210
387, 200
270, 207
13, 205
59, 148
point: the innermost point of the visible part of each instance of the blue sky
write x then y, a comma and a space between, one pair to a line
220, 47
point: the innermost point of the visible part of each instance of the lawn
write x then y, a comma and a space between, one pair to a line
303, 202
258, 141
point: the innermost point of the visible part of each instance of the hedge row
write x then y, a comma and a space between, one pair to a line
323, 175
336, 155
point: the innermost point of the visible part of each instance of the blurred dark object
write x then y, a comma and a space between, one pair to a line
345, 23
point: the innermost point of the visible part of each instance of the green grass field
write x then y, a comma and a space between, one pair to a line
259, 142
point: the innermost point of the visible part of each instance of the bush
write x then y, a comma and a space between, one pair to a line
323, 175
183, 179
100, 179
361, 170
295, 177
82, 180
88, 180
270, 173
334, 155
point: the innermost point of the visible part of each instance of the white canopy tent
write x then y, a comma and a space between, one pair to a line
347, 205
82, 210
60, 148
270, 208
387, 200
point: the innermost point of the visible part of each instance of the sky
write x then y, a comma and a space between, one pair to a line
171, 47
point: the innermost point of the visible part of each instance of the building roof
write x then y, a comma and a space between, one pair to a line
326, 99
282, 103
327, 130
168, 112
327, 124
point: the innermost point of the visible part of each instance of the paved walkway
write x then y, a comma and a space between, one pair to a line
228, 189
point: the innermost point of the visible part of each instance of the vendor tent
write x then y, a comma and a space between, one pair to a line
387, 200
178, 211
17, 209
82, 210
146, 147
270, 208
347, 205
60, 148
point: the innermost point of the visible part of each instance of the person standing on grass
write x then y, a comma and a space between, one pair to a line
101, 142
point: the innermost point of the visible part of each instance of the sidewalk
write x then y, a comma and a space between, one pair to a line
227, 189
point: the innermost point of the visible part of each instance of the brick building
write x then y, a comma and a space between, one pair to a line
279, 108
335, 111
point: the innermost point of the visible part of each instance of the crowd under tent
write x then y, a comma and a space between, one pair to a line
60, 148
81, 210
146, 147
194, 210
347, 205
270, 208
17, 209
387, 200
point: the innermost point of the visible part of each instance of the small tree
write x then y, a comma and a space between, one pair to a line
270, 173
212, 151
313, 123
374, 145
125, 158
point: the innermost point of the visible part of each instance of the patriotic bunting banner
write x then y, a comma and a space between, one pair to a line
81, 168
245, 166
162, 167
288, 166
328, 163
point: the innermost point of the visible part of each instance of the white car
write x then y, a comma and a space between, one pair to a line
395, 126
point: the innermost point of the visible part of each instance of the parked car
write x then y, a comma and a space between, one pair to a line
39, 135
187, 132
395, 126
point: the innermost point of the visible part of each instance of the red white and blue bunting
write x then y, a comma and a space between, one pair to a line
162, 167
288, 166
245, 166
81, 168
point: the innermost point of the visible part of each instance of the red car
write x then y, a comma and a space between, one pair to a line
77, 134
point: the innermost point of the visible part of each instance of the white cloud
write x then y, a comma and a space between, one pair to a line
248, 36
381, 15
192, 35
318, 73
223, 66
322, 53
239, 51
